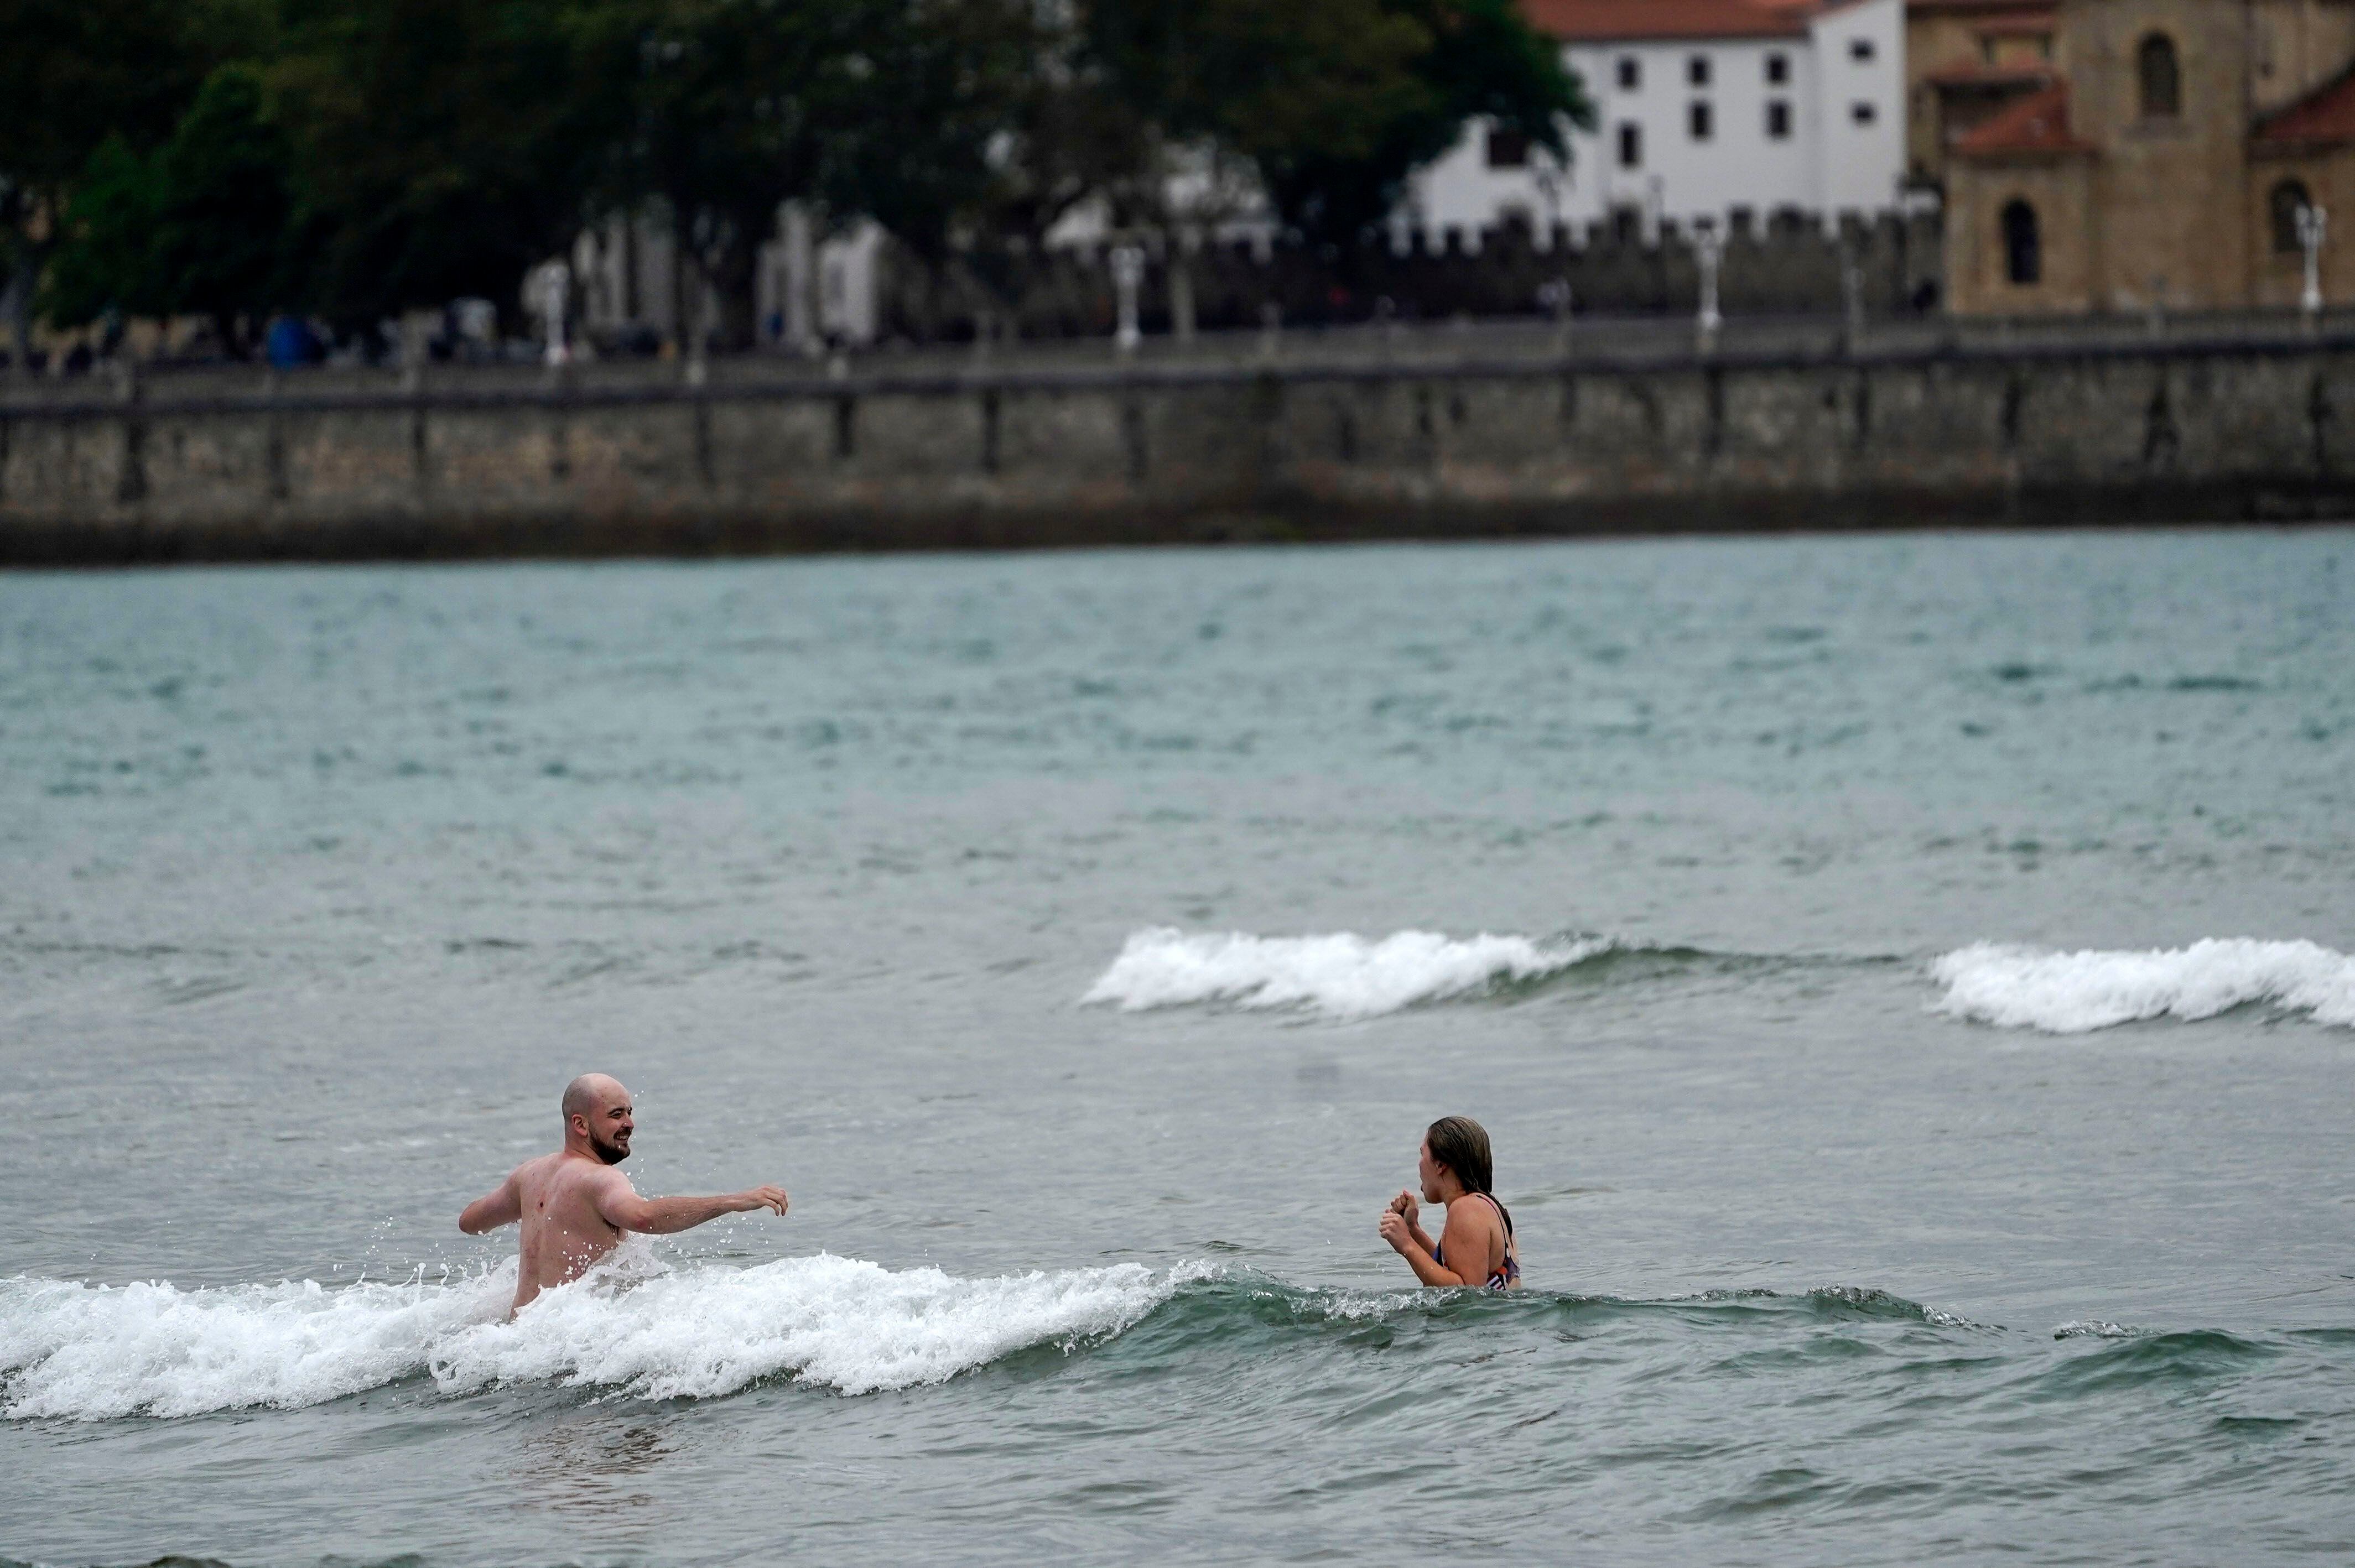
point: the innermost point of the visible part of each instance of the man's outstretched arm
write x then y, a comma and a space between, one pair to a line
624, 1210
502, 1205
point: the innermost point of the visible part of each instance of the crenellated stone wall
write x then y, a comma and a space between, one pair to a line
2044, 434
1779, 263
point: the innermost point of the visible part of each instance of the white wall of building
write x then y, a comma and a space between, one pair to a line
1829, 161
1677, 173
1860, 63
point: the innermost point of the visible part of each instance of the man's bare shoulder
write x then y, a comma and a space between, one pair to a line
561, 1174
535, 1171
571, 1175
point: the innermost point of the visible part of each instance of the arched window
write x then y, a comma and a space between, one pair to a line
2022, 262
2162, 83
2288, 199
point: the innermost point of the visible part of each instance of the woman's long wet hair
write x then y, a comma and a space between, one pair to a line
1462, 1145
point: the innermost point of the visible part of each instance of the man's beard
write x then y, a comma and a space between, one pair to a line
611, 1153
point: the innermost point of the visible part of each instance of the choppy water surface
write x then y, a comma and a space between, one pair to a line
1906, 979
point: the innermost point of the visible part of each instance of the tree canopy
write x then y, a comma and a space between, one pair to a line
76, 76
1335, 103
354, 158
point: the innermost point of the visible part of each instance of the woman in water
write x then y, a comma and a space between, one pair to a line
1456, 1171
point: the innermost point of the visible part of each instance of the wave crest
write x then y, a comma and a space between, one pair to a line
841, 1321
1340, 975
638, 1328
2072, 993
635, 1327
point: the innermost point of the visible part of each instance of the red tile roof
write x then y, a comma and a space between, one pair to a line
2325, 115
1597, 21
2037, 123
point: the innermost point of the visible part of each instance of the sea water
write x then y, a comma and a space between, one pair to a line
1906, 979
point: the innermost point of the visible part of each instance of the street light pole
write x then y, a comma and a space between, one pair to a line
1709, 249
1554, 295
555, 298
2313, 224
1851, 300
1127, 272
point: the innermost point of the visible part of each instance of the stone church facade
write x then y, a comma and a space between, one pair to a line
2148, 152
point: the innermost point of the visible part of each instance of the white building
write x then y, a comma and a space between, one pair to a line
1705, 110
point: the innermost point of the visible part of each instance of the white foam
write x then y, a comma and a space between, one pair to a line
851, 1324
2086, 1329
1340, 975
636, 1328
2070, 993
91, 1352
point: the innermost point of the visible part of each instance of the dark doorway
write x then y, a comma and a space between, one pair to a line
2287, 200
2023, 261
2162, 81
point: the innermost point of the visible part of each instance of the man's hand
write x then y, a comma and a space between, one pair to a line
1394, 1229
770, 1198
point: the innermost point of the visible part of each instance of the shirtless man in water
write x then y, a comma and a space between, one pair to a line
574, 1205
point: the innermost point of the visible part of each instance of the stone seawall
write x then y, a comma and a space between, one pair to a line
2120, 434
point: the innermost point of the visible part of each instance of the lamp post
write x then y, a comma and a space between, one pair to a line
1127, 272
1554, 295
1709, 249
1852, 300
2313, 223
555, 298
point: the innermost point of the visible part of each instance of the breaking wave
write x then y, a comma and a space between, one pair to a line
2071, 993
1340, 975
634, 1326
638, 1328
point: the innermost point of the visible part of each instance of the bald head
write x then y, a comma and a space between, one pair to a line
598, 1117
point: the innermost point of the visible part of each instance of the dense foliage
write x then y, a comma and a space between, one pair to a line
353, 158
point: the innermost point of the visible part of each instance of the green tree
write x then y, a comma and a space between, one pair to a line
73, 74
894, 109
205, 225
932, 147
441, 148
1065, 134
730, 105
1335, 103
106, 251
974, 127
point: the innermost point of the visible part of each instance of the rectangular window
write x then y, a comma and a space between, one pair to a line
1631, 145
1863, 113
1631, 73
1697, 70
1778, 120
1700, 119
1507, 149
1778, 69
1859, 49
